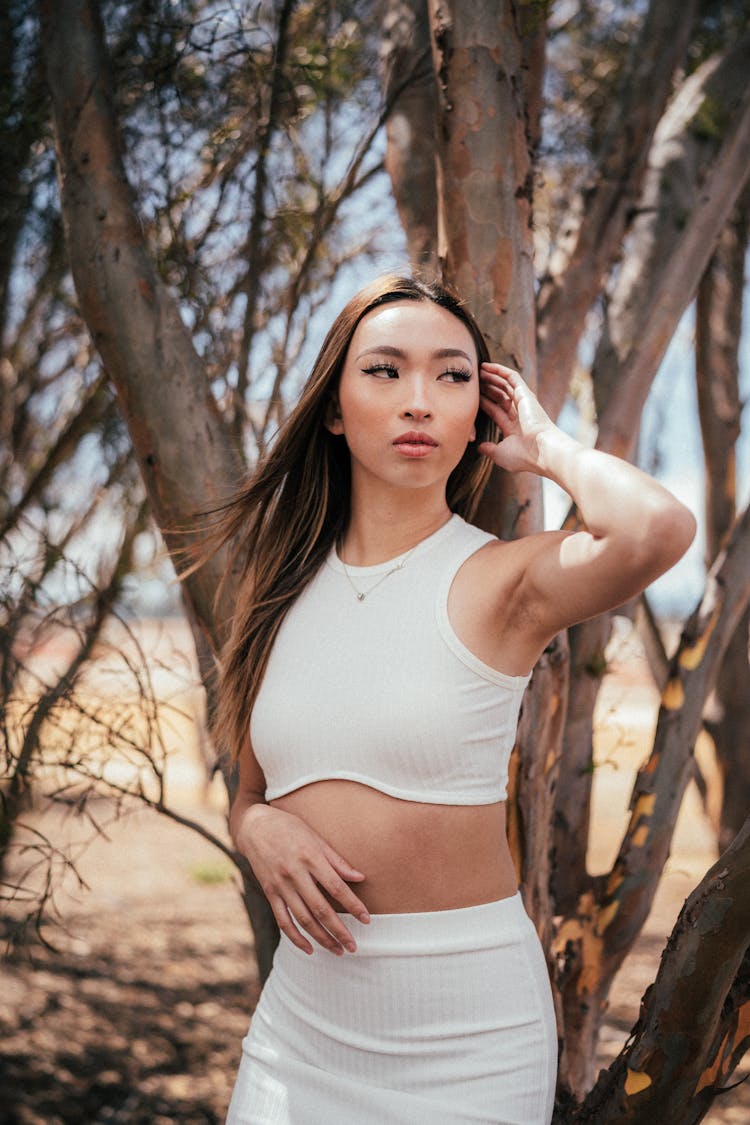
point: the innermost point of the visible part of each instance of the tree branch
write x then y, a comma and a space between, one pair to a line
693, 1027
593, 245
698, 164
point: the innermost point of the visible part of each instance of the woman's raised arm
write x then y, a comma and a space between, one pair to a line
634, 529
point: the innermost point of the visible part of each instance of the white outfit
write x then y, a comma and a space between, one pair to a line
383, 691
443, 1017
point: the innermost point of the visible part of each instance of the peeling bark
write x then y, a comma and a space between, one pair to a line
591, 943
698, 163
696, 1015
597, 223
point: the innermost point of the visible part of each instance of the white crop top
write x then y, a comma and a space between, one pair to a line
382, 691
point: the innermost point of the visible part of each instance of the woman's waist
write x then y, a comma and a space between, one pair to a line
415, 856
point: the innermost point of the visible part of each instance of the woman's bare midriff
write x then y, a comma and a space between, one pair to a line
415, 856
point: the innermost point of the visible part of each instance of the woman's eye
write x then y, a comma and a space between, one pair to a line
382, 370
458, 375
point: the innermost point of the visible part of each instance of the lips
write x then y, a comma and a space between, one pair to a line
415, 444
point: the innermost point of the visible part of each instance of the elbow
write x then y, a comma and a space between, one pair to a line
668, 533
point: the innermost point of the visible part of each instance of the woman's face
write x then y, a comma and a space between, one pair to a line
408, 395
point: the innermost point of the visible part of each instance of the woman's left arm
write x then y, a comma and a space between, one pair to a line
634, 529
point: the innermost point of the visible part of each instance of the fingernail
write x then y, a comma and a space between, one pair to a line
351, 947
364, 916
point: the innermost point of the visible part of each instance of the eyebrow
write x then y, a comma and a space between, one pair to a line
399, 353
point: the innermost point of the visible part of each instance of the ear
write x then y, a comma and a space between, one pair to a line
333, 420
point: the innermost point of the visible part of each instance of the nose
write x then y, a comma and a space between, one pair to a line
416, 404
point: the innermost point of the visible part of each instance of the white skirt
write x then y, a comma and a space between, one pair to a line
442, 1017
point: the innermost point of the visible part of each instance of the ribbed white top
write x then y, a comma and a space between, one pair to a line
382, 691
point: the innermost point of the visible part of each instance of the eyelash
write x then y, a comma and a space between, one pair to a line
461, 376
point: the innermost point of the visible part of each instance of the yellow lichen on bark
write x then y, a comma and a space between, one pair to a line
639, 837
691, 657
582, 930
605, 916
673, 696
642, 809
736, 1033
636, 1081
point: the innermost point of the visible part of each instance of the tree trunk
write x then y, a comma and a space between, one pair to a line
597, 223
534, 773
185, 454
696, 1014
698, 163
485, 207
718, 334
573, 798
486, 250
410, 128
183, 451
592, 942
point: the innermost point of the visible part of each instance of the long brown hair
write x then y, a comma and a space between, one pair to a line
284, 520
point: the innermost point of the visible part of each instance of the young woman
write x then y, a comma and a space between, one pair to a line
370, 691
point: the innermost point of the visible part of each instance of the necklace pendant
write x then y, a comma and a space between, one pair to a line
361, 597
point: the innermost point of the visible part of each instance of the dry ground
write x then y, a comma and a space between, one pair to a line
137, 1017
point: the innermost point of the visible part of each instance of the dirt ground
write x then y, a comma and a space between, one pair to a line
138, 1015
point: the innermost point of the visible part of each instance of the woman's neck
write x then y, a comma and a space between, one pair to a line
378, 532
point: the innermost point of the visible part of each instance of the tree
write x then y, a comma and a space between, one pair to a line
184, 87
718, 333
665, 156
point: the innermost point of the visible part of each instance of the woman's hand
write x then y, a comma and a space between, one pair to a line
293, 865
514, 407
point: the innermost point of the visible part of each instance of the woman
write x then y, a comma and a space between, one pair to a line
370, 690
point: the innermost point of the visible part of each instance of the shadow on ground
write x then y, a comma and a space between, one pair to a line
105, 1035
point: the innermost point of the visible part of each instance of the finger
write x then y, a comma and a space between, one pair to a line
497, 411
287, 926
500, 369
489, 449
495, 398
498, 390
342, 866
489, 374
344, 895
496, 386
496, 377
316, 915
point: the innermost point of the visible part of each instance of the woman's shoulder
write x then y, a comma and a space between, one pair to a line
498, 565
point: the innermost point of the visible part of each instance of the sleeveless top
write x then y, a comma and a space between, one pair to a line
382, 691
